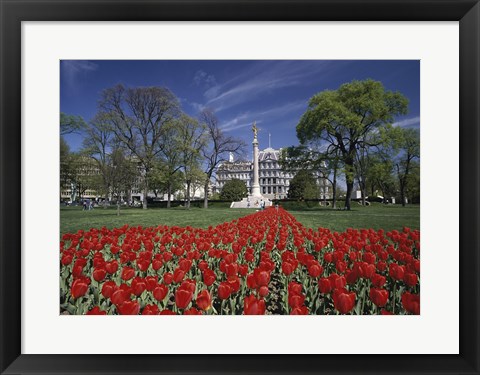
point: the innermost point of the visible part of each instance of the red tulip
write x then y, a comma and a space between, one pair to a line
379, 296
343, 300
324, 285
127, 273
99, 274
263, 291
150, 310
253, 306
96, 311
183, 298
160, 292
410, 279
411, 303
129, 308
296, 300
224, 290
66, 259
302, 310
108, 288
204, 301
138, 286
167, 312
178, 275
192, 311
151, 282
396, 272
262, 278
167, 278
315, 270
287, 268
118, 297
209, 277
111, 267
79, 287
378, 281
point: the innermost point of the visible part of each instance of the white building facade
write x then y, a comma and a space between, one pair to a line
274, 182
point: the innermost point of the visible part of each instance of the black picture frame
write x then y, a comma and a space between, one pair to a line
13, 12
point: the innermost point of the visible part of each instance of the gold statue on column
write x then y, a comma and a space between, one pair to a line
255, 129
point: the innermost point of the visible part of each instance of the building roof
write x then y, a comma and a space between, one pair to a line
269, 154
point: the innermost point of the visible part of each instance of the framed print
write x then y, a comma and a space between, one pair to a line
93, 64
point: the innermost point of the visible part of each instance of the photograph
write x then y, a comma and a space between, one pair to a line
239, 187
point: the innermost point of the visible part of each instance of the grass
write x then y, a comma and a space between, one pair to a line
376, 216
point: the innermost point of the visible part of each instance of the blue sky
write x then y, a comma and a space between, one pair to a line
273, 93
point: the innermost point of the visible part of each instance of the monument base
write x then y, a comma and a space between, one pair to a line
252, 202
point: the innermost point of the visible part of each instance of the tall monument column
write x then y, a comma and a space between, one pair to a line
255, 185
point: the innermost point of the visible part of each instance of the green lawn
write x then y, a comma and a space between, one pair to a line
376, 216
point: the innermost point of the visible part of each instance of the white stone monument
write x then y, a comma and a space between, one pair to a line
255, 198
255, 186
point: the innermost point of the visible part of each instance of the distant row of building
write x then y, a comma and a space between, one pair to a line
274, 181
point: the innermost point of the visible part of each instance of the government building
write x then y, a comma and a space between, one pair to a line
274, 182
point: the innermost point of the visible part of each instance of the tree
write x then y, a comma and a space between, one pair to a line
191, 143
217, 148
98, 145
71, 124
316, 159
137, 117
380, 176
303, 186
66, 164
169, 166
345, 118
123, 172
234, 190
406, 150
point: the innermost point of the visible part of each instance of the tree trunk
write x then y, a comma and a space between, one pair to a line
205, 195
118, 206
402, 194
363, 189
349, 194
324, 191
188, 195
349, 177
145, 193
334, 188
169, 194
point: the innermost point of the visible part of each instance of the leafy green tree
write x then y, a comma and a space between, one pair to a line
191, 143
344, 119
303, 186
380, 177
324, 162
234, 190
71, 124
406, 143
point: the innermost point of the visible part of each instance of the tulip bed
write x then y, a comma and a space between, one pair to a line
263, 263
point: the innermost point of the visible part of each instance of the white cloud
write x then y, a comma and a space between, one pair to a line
247, 118
72, 69
409, 122
204, 79
262, 78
